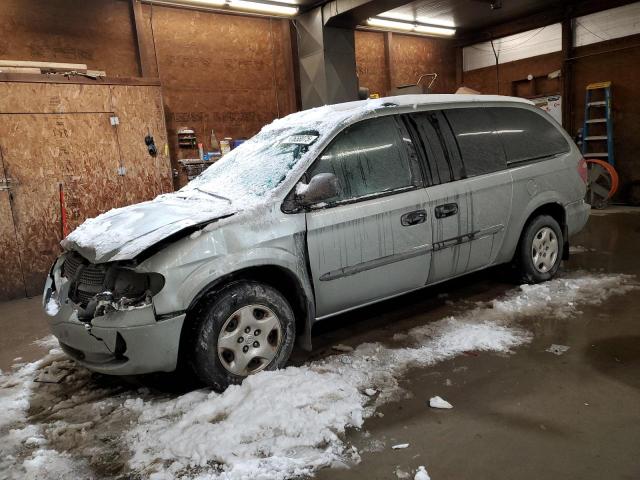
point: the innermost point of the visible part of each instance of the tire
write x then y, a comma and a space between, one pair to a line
540, 250
244, 328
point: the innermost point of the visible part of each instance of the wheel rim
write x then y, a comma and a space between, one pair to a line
249, 340
544, 249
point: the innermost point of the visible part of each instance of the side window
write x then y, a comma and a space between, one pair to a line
368, 157
476, 134
443, 161
526, 135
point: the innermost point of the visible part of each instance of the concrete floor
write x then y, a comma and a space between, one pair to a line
530, 415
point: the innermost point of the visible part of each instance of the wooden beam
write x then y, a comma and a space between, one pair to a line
459, 68
141, 39
567, 76
388, 62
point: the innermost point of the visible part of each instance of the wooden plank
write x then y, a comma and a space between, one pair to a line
30, 70
141, 38
52, 66
26, 78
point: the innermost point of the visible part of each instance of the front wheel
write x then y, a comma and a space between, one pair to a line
245, 328
540, 250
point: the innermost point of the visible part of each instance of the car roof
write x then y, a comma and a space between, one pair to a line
341, 113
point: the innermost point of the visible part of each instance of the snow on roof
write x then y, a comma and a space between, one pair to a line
329, 113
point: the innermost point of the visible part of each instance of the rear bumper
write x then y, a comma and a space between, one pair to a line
127, 342
577, 216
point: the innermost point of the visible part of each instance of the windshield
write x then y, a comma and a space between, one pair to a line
257, 166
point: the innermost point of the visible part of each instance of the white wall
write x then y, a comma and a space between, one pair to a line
606, 25
514, 47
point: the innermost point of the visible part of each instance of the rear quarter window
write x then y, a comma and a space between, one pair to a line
527, 135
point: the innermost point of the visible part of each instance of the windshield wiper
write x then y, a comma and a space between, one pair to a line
213, 194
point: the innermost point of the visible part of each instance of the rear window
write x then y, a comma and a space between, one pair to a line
527, 135
479, 142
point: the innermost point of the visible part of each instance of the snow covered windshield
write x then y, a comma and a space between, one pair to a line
257, 166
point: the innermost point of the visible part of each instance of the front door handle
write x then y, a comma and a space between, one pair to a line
413, 218
446, 210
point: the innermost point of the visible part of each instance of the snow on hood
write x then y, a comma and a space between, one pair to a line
123, 233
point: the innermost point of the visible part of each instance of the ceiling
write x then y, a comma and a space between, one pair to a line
468, 14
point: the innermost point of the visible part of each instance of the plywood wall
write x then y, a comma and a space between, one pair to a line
96, 32
484, 79
61, 134
371, 62
414, 56
411, 56
227, 73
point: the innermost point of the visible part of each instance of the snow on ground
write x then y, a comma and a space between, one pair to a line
276, 425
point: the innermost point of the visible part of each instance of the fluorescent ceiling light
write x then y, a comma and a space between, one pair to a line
263, 7
434, 30
205, 3
379, 22
410, 27
398, 16
443, 22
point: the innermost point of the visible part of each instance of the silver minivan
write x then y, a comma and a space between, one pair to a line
323, 211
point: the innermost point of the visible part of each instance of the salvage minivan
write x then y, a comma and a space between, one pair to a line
323, 211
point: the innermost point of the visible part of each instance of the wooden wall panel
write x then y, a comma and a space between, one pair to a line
52, 98
80, 150
370, 61
414, 56
223, 72
96, 32
141, 113
39, 152
484, 79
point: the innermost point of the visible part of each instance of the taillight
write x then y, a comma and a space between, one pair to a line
582, 170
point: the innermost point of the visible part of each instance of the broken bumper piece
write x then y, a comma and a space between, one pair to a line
121, 342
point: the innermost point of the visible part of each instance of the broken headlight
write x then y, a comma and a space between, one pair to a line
125, 289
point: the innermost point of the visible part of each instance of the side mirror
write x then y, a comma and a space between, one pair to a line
321, 187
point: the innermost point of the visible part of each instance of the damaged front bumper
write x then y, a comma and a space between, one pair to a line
119, 342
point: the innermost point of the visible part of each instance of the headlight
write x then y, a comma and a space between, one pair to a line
133, 285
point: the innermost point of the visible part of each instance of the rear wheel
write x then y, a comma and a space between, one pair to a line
540, 250
244, 329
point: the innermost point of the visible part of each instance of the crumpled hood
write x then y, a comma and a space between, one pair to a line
124, 233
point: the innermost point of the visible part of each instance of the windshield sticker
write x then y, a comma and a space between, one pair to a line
300, 140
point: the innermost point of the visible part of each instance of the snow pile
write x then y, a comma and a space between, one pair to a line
439, 402
276, 425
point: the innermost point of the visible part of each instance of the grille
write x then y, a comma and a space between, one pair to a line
70, 267
88, 279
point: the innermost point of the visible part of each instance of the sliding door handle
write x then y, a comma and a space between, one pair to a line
446, 210
413, 218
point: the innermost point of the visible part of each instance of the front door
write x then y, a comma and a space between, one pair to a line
372, 240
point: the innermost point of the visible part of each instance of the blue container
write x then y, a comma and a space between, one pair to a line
237, 143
